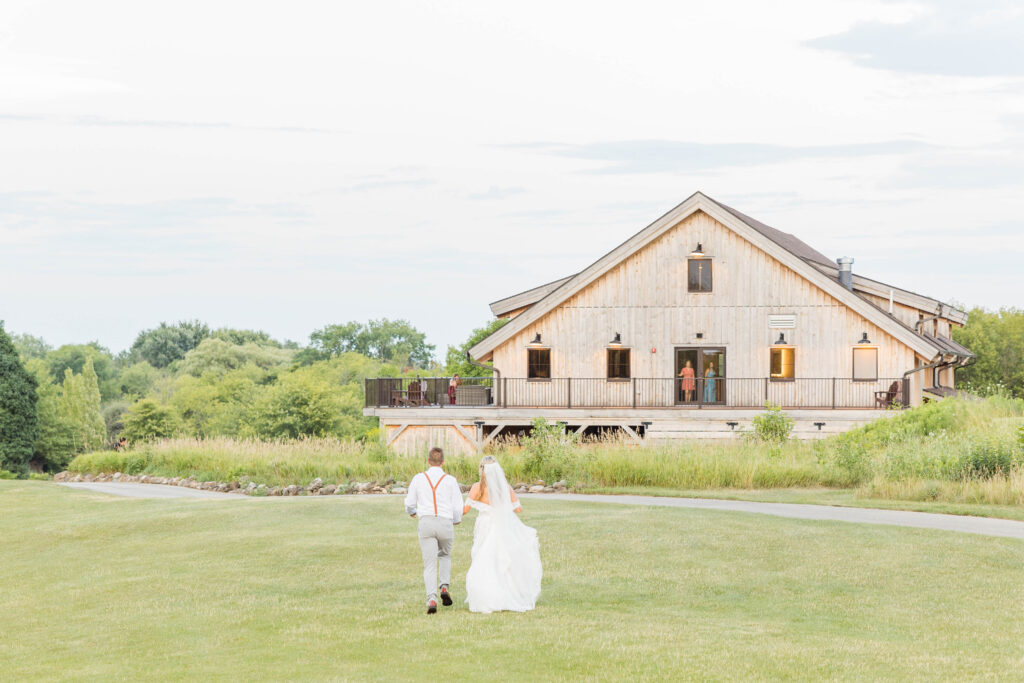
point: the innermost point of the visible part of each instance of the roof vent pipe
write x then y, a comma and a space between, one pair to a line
845, 272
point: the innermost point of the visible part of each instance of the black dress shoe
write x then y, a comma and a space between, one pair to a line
431, 607
446, 598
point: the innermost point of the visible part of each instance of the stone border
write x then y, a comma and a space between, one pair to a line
317, 487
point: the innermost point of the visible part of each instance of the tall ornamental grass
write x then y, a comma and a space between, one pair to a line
957, 451
603, 463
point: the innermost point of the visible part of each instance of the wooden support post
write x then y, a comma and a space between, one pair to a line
833, 396
568, 392
632, 434
394, 436
490, 437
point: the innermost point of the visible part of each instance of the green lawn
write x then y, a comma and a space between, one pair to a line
329, 588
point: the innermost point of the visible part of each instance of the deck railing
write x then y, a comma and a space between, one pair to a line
657, 392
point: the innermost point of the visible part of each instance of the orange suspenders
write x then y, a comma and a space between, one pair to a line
433, 488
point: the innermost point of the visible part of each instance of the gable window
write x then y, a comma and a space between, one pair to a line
865, 364
698, 274
538, 363
618, 363
783, 363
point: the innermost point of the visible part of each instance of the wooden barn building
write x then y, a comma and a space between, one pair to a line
688, 329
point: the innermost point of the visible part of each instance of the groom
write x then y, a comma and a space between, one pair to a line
435, 497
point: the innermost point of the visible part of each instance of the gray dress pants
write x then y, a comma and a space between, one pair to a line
436, 537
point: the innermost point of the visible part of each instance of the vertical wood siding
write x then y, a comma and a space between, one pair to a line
645, 298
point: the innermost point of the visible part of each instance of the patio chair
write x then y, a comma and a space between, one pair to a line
885, 399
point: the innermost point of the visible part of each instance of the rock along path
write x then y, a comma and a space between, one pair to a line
922, 520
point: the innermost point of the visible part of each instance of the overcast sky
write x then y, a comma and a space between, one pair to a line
283, 166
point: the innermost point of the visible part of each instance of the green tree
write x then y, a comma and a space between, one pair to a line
73, 357
219, 356
217, 404
300, 403
997, 338
113, 418
240, 337
386, 340
55, 445
29, 346
147, 419
165, 344
138, 379
80, 409
456, 362
19, 426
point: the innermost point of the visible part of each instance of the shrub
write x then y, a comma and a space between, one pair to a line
773, 426
147, 419
550, 450
987, 458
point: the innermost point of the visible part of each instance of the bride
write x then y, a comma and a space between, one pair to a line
505, 570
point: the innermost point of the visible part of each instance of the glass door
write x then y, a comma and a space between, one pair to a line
700, 376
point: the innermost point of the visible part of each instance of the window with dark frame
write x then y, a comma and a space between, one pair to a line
538, 363
783, 363
865, 364
699, 275
618, 363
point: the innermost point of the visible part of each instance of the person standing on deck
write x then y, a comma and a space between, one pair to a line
453, 386
687, 384
710, 395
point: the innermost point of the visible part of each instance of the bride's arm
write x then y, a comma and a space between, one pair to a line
474, 494
516, 505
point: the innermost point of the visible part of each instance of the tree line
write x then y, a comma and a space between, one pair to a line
184, 379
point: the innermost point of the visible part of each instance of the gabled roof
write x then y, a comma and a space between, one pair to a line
790, 243
795, 246
949, 346
784, 247
527, 298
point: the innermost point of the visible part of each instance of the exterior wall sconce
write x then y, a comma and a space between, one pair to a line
617, 340
699, 251
864, 339
732, 425
536, 340
782, 338
819, 425
700, 335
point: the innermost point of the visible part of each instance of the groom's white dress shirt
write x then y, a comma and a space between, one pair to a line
447, 494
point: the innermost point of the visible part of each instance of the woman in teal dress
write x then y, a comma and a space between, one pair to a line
710, 395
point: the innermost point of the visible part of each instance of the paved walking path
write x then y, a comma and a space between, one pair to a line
133, 490
922, 520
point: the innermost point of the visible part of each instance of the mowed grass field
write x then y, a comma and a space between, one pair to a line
329, 588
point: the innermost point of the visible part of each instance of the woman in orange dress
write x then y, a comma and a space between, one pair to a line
687, 384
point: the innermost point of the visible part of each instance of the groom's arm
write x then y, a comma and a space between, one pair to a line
456, 493
410, 498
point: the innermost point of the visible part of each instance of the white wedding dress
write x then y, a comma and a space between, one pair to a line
505, 571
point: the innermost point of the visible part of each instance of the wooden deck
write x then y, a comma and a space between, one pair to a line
647, 393
468, 429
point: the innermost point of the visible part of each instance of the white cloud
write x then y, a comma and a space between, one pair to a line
284, 167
